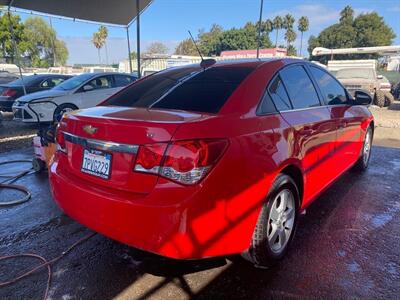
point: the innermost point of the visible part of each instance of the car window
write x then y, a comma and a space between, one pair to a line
189, 88
122, 80
279, 95
267, 106
299, 86
101, 82
332, 91
52, 82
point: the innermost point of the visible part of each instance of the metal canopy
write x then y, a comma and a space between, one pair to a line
117, 12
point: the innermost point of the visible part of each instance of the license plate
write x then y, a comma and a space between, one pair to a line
96, 163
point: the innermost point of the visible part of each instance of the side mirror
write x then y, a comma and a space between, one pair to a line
379, 77
87, 88
362, 98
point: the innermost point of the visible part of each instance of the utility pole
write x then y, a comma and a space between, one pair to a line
138, 36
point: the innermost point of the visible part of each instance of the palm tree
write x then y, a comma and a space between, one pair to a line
302, 27
103, 31
268, 26
98, 42
288, 21
290, 37
278, 23
99, 39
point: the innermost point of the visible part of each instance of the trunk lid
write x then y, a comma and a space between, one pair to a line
116, 128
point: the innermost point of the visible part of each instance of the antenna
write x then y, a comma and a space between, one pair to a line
194, 42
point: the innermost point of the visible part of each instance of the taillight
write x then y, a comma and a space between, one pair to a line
60, 140
9, 93
186, 162
150, 157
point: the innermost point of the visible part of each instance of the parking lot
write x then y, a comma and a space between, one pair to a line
346, 245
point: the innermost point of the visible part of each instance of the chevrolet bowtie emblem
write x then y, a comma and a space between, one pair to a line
89, 129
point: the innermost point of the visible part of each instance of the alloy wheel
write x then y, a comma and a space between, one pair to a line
281, 220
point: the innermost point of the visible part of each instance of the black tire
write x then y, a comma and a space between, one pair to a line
59, 111
379, 99
389, 99
362, 162
261, 253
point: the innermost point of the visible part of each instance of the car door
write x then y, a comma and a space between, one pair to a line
313, 132
102, 88
346, 116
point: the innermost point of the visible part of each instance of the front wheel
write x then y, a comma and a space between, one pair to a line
276, 224
363, 161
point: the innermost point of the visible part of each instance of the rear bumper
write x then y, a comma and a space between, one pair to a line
172, 221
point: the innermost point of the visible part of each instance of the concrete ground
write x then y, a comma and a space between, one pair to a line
346, 247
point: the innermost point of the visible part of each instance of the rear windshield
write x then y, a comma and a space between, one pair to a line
191, 89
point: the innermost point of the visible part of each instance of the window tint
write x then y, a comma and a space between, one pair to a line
206, 91
122, 80
300, 87
147, 90
333, 92
267, 106
279, 95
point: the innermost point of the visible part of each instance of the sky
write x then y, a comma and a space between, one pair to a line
167, 21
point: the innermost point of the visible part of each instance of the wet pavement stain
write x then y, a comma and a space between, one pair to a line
347, 246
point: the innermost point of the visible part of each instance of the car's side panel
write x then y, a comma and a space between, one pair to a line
312, 135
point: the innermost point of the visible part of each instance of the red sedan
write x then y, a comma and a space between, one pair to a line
212, 159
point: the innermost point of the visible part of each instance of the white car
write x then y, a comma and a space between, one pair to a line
82, 91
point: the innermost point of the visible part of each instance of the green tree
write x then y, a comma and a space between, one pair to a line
371, 30
268, 26
290, 37
302, 27
103, 31
363, 31
347, 15
157, 48
242, 39
209, 41
278, 24
6, 45
186, 47
98, 42
288, 21
291, 50
42, 44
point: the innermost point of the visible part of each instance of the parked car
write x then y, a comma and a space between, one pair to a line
211, 159
82, 91
396, 91
6, 77
366, 79
33, 83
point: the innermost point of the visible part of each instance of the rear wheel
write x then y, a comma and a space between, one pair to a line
389, 99
276, 224
63, 108
363, 162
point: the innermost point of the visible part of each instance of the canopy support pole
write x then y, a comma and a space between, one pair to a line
15, 56
53, 43
138, 36
259, 29
129, 50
